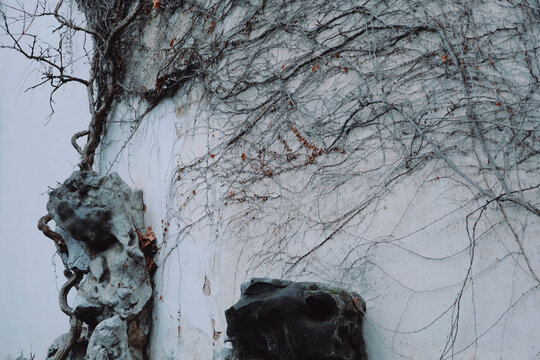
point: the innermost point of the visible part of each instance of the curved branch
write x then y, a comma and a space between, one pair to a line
62, 20
122, 25
53, 235
73, 335
64, 291
100, 110
74, 140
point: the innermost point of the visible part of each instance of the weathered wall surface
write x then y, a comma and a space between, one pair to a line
363, 146
410, 275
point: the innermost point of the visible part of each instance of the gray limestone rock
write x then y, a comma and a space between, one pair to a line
117, 282
278, 319
97, 210
77, 352
78, 258
109, 341
100, 219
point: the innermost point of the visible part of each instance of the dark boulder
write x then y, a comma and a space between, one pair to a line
284, 320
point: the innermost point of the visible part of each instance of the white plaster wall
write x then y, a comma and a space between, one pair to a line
409, 279
411, 252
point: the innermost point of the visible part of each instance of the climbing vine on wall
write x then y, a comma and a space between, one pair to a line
316, 114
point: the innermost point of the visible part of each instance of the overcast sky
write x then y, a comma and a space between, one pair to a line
34, 155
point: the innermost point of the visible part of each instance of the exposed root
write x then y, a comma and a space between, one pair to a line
73, 335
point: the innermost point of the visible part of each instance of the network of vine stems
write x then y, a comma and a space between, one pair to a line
305, 100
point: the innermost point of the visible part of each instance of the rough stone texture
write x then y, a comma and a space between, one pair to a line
77, 352
100, 219
109, 341
277, 319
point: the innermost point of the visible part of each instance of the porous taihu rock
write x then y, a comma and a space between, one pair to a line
109, 341
78, 351
100, 220
278, 319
